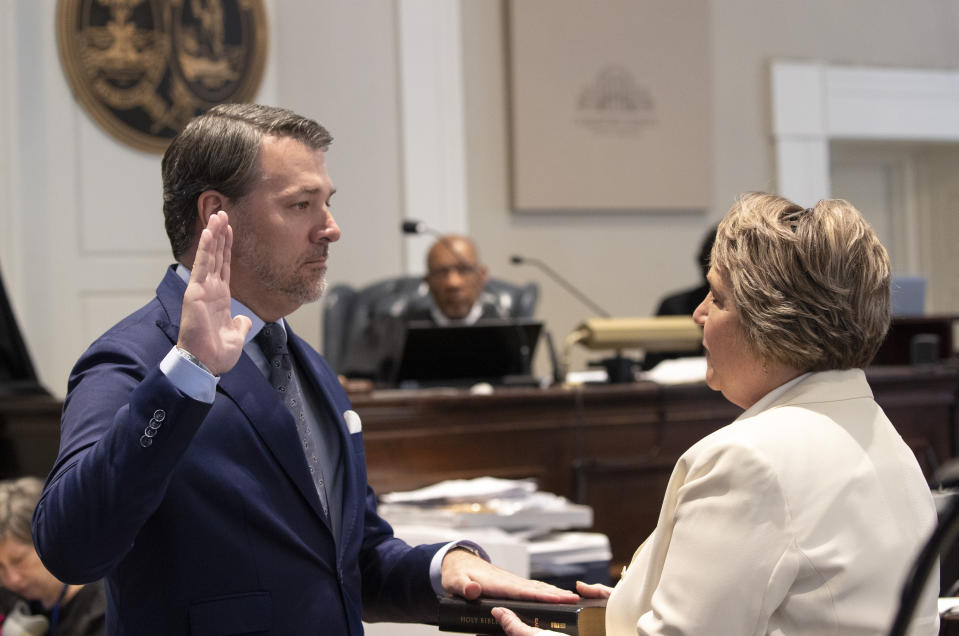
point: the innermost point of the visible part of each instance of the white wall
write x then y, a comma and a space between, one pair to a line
83, 241
627, 262
75, 203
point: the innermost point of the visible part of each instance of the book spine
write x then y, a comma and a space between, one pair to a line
477, 619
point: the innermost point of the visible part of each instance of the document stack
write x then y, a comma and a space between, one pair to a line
550, 527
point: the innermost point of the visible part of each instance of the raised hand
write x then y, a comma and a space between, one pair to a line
207, 329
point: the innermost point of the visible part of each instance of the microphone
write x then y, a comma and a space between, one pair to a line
565, 284
410, 226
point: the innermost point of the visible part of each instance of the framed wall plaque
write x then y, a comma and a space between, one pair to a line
609, 105
143, 68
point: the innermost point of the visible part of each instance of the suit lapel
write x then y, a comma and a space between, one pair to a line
253, 395
320, 379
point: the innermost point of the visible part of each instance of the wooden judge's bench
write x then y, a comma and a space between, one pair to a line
610, 446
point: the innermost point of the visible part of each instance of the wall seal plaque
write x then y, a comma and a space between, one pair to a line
143, 68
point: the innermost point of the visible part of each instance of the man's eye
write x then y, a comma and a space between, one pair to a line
301, 205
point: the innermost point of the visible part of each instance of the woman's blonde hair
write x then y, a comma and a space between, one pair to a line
811, 285
18, 498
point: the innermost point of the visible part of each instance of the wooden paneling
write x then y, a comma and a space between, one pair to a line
610, 446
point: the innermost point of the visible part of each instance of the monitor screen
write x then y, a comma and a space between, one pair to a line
494, 351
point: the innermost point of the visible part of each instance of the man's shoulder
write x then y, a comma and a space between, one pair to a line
142, 337
150, 318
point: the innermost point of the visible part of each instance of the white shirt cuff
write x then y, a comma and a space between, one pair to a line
188, 377
436, 565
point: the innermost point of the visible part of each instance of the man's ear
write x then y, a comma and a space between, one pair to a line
484, 273
209, 203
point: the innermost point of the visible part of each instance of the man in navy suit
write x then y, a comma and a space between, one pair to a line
211, 504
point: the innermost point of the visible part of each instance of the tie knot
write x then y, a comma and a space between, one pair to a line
272, 339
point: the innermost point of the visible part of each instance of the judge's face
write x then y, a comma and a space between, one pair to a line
455, 277
22, 573
282, 230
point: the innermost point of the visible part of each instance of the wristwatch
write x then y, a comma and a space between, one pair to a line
466, 548
186, 355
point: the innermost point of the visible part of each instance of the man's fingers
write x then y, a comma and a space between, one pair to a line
201, 264
472, 590
243, 324
227, 255
218, 252
219, 226
463, 585
594, 590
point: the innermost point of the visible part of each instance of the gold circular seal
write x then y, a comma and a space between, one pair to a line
144, 68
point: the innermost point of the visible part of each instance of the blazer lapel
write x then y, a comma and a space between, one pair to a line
254, 396
320, 378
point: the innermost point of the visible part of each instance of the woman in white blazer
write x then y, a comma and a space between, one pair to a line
804, 515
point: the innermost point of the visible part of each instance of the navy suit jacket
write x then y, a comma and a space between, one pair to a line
215, 527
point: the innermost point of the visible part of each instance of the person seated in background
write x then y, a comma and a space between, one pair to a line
32, 599
805, 515
684, 303
455, 277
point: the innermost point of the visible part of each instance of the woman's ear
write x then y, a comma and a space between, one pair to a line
209, 203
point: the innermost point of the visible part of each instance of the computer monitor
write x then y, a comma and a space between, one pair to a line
494, 351
908, 295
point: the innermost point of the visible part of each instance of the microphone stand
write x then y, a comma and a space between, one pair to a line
619, 368
520, 260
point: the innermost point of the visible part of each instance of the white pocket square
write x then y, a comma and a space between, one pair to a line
353, 423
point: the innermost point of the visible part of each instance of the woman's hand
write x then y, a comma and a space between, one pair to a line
511, 623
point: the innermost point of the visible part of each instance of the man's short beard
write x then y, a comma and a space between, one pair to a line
297, 288
300, 290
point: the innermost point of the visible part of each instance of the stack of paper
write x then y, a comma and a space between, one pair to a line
513, 505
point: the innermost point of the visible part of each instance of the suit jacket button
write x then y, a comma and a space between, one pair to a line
145, 441
159, 415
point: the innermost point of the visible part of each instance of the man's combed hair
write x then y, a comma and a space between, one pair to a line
18, 498
811, 285
219, 150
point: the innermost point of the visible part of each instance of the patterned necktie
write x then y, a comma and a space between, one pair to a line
272, 340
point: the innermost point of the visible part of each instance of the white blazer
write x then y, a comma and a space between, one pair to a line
801, 517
